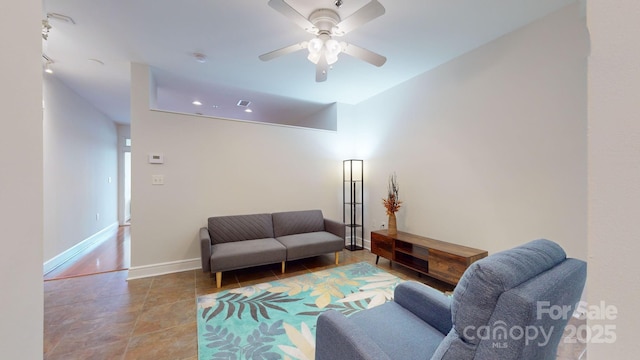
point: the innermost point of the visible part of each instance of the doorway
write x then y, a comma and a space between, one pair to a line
124, 175
127, 187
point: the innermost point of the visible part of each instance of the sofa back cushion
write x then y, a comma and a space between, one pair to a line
297, 222
240, 227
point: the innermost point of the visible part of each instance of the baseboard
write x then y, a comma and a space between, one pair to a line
365, 243
91, 241
139, 272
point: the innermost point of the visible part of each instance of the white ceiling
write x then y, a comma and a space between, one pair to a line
414, 35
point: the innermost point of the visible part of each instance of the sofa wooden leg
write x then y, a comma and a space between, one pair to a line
337, 257
218, 279
283, 266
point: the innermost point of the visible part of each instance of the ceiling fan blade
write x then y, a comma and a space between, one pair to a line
366, 13
363, 54
286, 10
322, 67
284, 51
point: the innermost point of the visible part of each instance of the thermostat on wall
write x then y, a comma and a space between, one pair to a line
156, 159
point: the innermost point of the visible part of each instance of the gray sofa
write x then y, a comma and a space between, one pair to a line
504, 307
242, 241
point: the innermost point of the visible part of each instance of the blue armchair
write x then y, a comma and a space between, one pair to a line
511, 305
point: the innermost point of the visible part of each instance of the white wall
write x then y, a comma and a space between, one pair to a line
21, 313
218, 167
80, 155
490, 151
490, 148
614, 173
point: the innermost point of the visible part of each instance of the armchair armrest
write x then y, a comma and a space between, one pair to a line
205, 249
338, 338
335, 227
427, 303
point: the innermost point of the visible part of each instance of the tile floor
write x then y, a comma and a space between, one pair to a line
104, 316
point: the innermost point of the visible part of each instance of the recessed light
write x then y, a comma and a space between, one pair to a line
196, 102
248, 110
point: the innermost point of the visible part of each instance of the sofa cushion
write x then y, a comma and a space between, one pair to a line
399, 333
242, 254
240, 227
310, 244
297, 222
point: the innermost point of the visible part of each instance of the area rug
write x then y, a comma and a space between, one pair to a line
277, 320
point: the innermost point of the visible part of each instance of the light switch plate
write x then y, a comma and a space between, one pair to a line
157, 179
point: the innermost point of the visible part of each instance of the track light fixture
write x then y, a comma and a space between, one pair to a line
47, 68
46, 28
47, 64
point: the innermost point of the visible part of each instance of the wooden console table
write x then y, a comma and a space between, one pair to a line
438, 259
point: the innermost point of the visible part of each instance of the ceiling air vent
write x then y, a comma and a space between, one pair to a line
243, 103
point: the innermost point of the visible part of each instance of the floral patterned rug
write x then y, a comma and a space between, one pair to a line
277, 320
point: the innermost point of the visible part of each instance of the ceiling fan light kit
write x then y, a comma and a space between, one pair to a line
325, 24
319, 47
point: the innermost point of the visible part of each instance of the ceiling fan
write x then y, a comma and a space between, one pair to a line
326, 24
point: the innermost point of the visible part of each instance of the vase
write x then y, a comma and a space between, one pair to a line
393, 227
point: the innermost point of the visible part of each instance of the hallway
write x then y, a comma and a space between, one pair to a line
113, 254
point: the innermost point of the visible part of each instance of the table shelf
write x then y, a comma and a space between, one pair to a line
438, 259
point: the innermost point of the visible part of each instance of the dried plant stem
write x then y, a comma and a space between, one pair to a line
392, 203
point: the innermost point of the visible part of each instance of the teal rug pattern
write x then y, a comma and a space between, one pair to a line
277, 320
